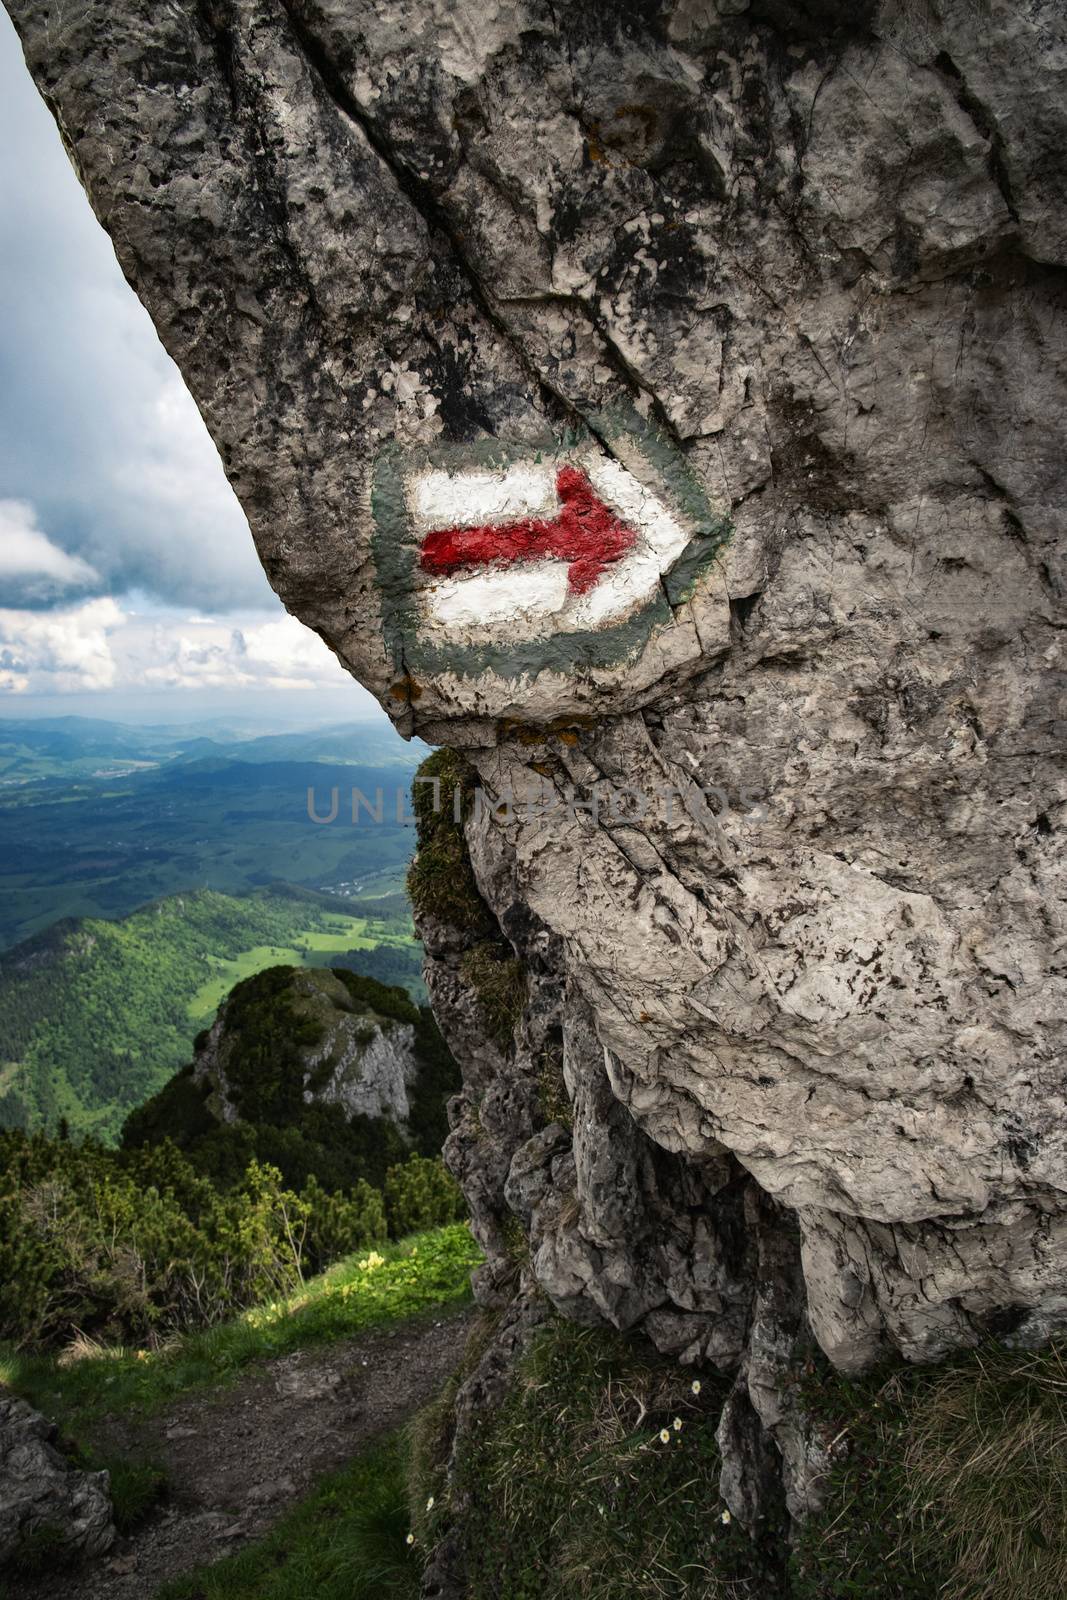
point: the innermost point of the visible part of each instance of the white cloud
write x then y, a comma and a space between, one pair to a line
99, 646
205, 653
285, 646
32, 567
60, 652
97, 431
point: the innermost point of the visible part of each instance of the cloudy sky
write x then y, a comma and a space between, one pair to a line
129, 585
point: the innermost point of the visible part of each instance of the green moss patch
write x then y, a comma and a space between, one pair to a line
441, 882
498, 979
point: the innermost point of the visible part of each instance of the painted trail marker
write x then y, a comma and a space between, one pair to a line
584, 531
510, 561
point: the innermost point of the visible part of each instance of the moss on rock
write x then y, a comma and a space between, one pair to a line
441, 882
498, 979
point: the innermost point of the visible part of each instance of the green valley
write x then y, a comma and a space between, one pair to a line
343, 936
96, 1015
97, 819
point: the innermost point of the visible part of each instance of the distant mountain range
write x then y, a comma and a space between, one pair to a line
97, 817
34, 749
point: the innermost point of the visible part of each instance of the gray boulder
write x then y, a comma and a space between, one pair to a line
44, 1500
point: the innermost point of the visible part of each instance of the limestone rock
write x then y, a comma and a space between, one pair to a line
664, 405
357, 1060
42, 1496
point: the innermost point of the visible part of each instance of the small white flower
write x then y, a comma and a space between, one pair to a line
678, 1424
429, 1503
695, 1386
664, 1436
726, 1519
410, 1539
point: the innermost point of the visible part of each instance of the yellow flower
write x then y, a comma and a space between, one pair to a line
664, 1436
372, 1261
695, 1385
726, 1519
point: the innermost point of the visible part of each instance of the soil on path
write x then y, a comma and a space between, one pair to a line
237, 1458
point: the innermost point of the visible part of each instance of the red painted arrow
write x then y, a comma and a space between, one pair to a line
585, 532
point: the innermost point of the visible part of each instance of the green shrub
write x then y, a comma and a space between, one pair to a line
177, 1113
339, 1224
132, 1246
385, 1000
387, 1284
420, 1194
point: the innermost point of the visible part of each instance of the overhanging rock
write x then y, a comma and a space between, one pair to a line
665, 406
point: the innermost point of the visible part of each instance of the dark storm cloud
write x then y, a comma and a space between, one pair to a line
98, 437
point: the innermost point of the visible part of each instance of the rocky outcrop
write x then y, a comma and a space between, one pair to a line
46, 1504
312, 1071
574, 1203
662, 405
352, 1057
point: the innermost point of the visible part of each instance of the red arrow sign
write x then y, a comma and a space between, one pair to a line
585, 532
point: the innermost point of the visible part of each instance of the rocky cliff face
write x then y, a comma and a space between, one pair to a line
662, 404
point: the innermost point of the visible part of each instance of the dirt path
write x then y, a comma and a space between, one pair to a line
237, 1458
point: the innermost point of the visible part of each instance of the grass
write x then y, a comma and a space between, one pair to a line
355, 934
954, 1485
582, 1485
368, 1290
135, 1487
570, 1491
498, 979
566, 1489
346, 1541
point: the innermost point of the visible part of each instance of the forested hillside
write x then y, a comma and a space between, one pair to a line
96, 1015
308, 1124
325, 1075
